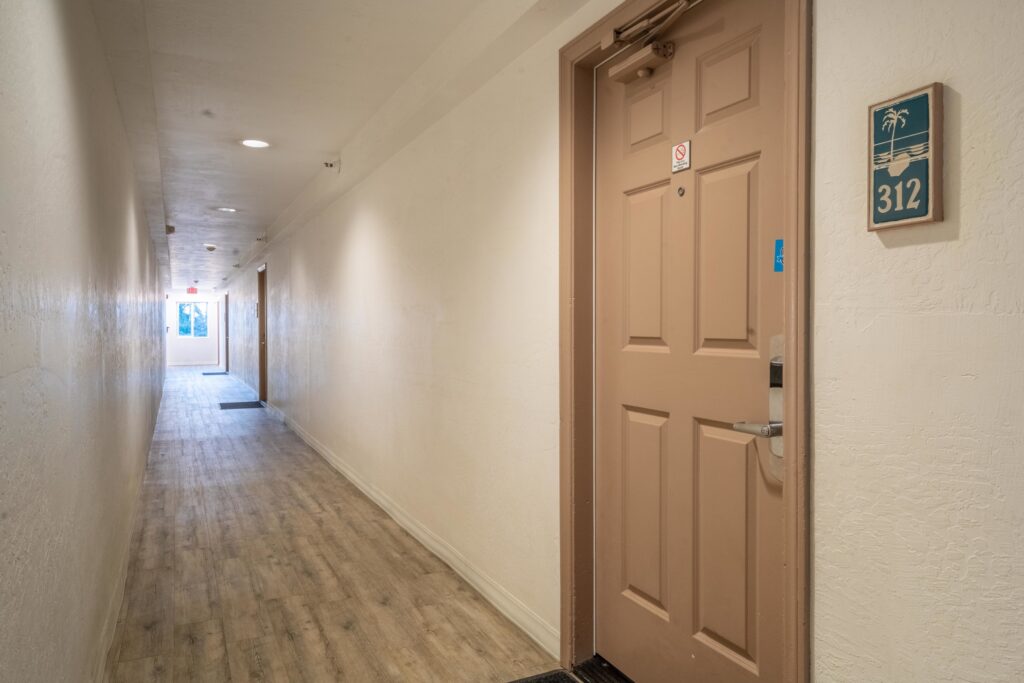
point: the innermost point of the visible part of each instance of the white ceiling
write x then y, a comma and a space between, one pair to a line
196, 76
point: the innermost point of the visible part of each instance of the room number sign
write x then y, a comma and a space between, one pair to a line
905, 159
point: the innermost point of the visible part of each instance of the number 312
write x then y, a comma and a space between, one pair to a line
885, 196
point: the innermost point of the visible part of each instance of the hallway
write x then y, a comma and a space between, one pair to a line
673, 337
253, 560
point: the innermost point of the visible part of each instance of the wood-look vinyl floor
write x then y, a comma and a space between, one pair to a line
253, 559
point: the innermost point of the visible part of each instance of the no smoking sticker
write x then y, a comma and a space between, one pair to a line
681, 157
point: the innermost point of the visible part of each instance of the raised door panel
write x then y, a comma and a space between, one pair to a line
725, 588
726, 235
643, 254
644, 542
727, 79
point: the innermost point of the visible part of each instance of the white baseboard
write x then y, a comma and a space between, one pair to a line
114, 608
276, 413
546, 635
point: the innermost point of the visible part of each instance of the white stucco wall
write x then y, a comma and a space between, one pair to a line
81, 344
414, 332
918, 487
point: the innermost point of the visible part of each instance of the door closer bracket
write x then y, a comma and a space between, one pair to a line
642, 63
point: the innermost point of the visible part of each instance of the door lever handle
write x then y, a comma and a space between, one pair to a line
769, 430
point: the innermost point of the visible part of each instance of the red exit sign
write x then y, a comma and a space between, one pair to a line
192, 290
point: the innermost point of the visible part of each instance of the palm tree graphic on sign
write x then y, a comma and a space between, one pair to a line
892, 119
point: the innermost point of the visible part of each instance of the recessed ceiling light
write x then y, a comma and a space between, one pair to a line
226, 209
256, 144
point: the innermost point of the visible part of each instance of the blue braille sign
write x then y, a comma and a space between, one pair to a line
778, 256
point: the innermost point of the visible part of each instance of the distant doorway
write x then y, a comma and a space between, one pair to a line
193, 330
261, 315
227, 336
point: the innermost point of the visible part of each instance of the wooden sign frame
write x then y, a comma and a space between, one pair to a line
896, 203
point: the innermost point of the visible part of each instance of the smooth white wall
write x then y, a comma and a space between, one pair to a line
918, 488
206, 350
81, 344
414, 333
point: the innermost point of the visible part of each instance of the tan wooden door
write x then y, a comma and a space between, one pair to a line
689, 522
227, 336
261, 312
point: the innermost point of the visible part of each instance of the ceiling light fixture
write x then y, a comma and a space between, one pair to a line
226, 209
210, 247
256, 144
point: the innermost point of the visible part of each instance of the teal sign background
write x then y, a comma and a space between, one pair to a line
901, 146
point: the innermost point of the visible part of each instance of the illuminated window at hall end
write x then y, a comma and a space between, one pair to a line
192, 319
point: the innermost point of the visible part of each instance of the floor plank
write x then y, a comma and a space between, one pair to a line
148, 670
253, 560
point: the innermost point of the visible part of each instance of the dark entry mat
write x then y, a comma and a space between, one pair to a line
597, 670
594, 670
240, 404
215, 373
549, 677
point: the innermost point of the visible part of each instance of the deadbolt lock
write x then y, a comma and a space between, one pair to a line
772, 431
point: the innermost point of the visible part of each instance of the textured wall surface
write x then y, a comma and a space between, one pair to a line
918, 377
414, 333
81, 344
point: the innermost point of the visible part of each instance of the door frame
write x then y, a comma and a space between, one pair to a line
261, 328
227, 336
577, 62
